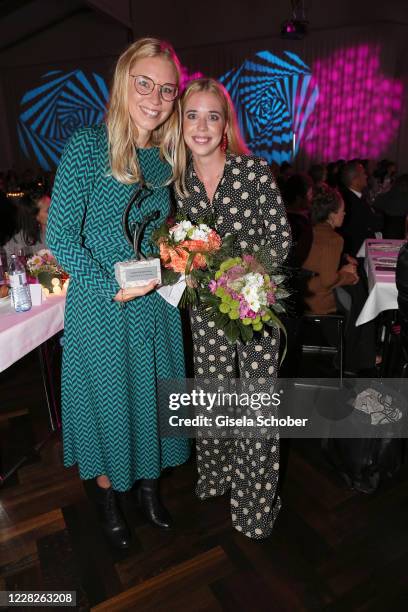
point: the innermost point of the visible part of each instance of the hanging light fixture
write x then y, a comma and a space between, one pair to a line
296, 27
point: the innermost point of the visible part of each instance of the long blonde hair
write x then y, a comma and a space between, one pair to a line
122, 132
236, 143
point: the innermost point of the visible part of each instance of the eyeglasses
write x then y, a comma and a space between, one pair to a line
145, 85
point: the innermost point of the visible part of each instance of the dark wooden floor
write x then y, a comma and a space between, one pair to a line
332, 549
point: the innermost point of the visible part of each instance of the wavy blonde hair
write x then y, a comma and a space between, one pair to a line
236, 143
122, 132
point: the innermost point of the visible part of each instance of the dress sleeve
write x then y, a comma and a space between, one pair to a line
272, 209
73, 184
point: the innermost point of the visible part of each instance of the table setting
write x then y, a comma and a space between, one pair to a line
380, 264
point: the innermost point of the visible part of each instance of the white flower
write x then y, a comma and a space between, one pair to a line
255, 296
251, 296
254, 305
198, 234
253, 279
263, 299
179, 231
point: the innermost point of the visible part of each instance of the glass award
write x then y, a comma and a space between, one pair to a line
140, 270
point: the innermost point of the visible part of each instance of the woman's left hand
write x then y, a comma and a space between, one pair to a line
126, 295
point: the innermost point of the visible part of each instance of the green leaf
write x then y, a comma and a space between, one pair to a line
276, 322
231, 330
246, 332
169, 277
278, 308
189, 298
221, 320
209, 299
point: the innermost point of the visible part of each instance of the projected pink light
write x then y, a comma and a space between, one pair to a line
187, 76
358, 110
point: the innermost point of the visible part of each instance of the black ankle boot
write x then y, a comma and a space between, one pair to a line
149, 500
111, 517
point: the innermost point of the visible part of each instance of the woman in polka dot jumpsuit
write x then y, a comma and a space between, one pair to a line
241, 194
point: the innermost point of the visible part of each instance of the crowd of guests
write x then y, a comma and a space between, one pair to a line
24, 203
332, 210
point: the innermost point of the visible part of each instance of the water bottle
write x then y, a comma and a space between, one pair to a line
20, 291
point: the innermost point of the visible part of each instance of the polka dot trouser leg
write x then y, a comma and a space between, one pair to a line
254, 501
214, 358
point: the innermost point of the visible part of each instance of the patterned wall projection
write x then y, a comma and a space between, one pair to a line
275, 98
359, 108
51, 112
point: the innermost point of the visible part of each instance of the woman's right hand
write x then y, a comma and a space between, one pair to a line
350, 270
126, 295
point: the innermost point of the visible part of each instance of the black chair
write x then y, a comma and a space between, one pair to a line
324, 335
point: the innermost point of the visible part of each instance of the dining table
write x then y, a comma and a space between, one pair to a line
23, 332
380, 261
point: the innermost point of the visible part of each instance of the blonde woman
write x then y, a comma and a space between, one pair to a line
215, 174
118, 343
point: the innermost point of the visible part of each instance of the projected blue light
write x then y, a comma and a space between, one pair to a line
51, 112
274, 98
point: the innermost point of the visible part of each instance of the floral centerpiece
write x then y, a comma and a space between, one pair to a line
43, 261
44, 266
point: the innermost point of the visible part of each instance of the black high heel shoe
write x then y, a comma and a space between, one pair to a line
111, 518
148, 498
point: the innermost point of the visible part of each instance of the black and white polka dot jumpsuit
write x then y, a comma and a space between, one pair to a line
247, 203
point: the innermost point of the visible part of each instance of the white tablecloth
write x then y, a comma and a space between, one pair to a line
21, 332
383, 296
381, 284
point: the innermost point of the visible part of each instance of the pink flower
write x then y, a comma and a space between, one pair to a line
245, 312
235, 272
271, 297
212, 286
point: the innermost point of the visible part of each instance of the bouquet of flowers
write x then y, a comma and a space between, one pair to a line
244, 296
185, 248
43, 261
241, 294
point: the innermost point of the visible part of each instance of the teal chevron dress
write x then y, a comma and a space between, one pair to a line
113, 354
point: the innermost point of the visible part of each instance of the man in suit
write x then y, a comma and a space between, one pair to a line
360, 222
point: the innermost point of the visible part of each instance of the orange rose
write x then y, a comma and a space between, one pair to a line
214, 241
175, 258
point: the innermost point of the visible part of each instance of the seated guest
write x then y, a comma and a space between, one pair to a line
393, 205
336, 288
361, 222
31, 222
325, 254
297, 195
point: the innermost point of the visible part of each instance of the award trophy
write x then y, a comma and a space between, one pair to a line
140, 270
